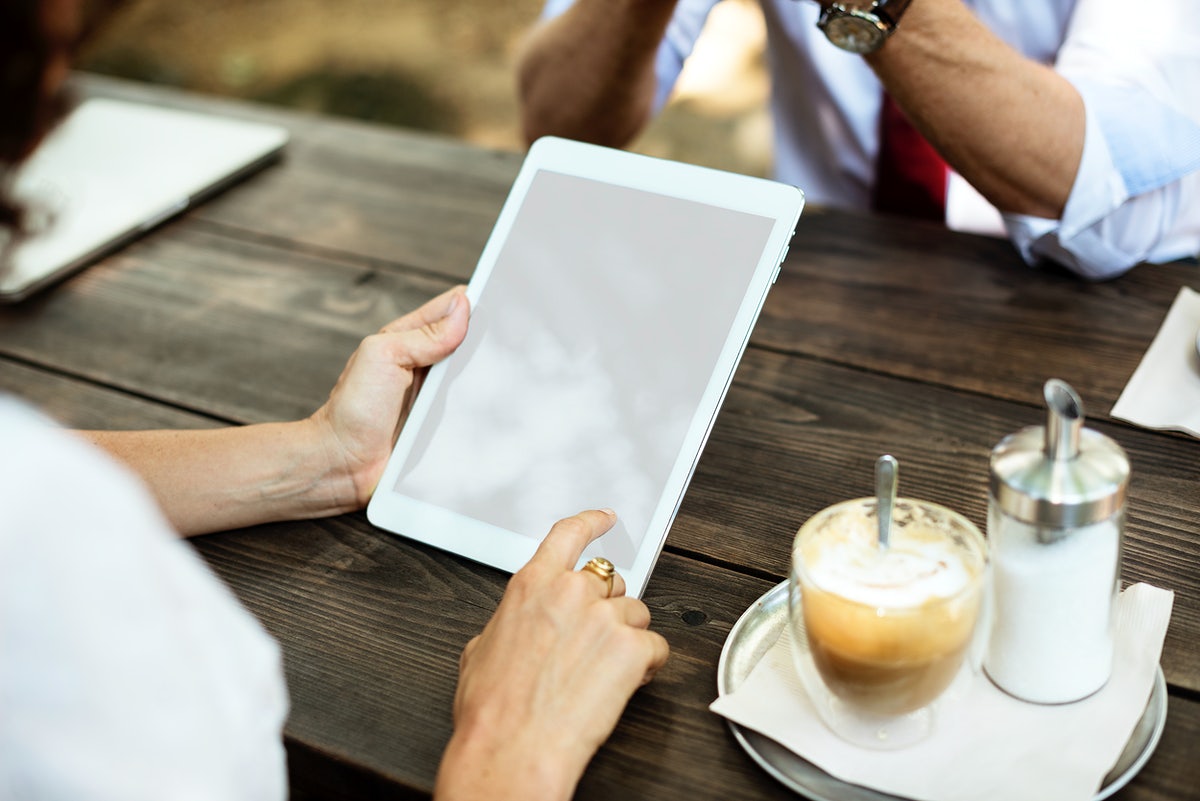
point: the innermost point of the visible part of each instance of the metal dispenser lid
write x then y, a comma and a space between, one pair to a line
1062, 475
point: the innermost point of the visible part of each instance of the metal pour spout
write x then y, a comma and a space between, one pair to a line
1064, 422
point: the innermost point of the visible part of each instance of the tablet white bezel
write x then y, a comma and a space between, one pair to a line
504, 549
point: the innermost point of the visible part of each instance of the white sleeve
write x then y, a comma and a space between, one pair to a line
128, 671
682, 32
1136, 195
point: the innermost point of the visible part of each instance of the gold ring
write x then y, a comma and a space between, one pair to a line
599, 566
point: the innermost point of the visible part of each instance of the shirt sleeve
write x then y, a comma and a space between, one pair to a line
682, 32
1136, 196
129, 672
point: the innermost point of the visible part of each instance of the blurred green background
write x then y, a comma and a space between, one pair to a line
436, 65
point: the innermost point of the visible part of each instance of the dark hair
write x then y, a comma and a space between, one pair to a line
25, 113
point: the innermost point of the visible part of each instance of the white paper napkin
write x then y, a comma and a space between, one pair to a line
991, 746
1164, 391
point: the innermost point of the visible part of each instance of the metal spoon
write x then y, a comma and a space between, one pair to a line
885, 494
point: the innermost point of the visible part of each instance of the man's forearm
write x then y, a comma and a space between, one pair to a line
213, 480
588, 74
1013, 128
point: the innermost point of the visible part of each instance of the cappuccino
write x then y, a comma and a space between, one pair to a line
888, 627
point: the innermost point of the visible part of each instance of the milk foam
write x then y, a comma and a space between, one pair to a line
909, 573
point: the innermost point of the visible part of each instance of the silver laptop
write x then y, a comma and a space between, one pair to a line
113, 170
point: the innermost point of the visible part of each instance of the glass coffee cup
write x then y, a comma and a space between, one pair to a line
880, 632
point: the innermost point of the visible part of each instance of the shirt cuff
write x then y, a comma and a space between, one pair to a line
1097, 191
1128, 190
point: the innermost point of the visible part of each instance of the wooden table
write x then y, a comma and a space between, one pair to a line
880, 336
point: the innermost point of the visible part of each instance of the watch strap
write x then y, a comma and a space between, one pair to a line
890, 11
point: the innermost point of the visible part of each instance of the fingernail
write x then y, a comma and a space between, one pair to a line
609, 512
454, 301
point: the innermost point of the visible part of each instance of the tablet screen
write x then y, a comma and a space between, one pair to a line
589, 351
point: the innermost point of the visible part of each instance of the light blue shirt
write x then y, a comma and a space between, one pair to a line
1136, 195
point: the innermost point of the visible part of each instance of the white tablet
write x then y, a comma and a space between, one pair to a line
610, 308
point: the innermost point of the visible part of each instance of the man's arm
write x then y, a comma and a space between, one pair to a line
588, 73
1012, 127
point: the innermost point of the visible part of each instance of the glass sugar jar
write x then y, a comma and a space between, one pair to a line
1056, 516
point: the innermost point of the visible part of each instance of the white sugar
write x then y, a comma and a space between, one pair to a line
1051, 639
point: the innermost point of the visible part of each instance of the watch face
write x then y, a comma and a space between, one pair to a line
858, 34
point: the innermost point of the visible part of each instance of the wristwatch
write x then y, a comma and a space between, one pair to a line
861, 27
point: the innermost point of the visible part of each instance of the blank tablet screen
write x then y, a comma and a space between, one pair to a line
588, 354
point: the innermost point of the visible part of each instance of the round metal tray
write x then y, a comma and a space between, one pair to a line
758, 629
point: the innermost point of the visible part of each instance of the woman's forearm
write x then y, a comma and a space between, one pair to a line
217, 479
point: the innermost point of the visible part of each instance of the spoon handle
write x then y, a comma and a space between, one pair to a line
885, 492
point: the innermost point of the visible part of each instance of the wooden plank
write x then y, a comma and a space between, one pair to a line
237, 330
909, 299
78, 404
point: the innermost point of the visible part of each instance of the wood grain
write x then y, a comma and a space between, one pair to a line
78, 404
238, 330
908, 299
